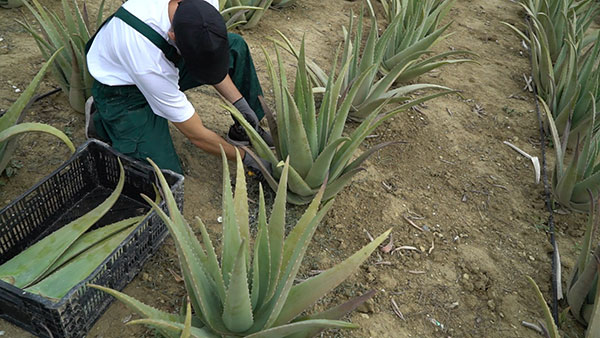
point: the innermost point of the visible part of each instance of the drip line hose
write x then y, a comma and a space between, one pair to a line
547, 193
36, 98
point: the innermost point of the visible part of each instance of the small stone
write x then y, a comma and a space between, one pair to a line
531, 258
146, 277
491, 304
366, 307
364, 315
466, 276
501, 315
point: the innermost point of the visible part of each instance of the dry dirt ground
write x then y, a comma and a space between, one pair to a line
484, 216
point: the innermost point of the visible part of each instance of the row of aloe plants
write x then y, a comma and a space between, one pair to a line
564, 53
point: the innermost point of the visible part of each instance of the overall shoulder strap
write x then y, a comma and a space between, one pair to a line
152, 35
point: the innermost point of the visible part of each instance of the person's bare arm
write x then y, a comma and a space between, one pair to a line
206, 139
228, 89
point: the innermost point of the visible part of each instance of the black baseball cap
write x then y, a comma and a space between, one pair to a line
201, 37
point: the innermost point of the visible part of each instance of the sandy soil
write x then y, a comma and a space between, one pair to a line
484, 215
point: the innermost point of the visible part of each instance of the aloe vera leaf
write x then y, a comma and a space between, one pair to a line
368, 52
420, 45
199, 285
300, 153
91, 238
99, 15
342, 113
322, 118
555, 136
231, 234
289, 329
339, 183
296, 199
239, 9
259, 145
240, 201
334, 313
272, 122
267, 316
14, 111
172, 328
59, 283
25, 268
566, 183
186, 332
297, 185
68, 17
257, 14
237, 311
283, 112
586, 247
280, 146
140, 308
76, 90
418, 70
548, 320
309, 119
262, 256
21, 128
52, 33
302, 295
320, 169
276, 231
83, 30
579, 291
212, 263
295, 235
593, 328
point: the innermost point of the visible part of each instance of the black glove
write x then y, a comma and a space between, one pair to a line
250, 163
247, 112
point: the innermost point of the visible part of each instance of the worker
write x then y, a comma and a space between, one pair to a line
142, 60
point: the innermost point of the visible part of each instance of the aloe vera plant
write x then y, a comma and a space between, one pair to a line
574, 176
243, 13
414, 29
251, 291
30, 265
371, 59
68, 33
582, 286
10, 125
313, 138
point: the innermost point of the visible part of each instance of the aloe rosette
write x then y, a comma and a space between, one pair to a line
251, 291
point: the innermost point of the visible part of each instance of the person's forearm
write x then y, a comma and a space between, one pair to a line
210, 141
228, 89
206, 139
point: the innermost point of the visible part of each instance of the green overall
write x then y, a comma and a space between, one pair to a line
125, 118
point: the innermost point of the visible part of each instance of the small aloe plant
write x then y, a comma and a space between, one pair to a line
10, 125
251, 291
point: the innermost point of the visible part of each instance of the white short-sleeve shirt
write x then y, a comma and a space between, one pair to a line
120, 55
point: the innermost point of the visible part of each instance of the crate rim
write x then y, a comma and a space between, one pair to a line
49, 303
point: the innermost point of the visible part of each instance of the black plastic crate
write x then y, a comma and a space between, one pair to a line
79, 185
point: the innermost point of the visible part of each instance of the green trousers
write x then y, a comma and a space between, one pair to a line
125, 118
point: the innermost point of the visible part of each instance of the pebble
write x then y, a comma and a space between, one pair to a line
466, 276
531, 258
364, 315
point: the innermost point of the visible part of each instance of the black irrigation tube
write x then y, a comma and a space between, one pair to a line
37, 98
547, 193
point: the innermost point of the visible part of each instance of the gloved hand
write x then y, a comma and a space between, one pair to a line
250, 163
247, 112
